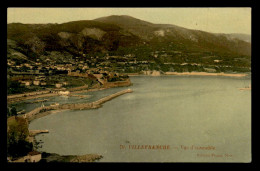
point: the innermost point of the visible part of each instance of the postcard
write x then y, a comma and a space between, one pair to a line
129, 85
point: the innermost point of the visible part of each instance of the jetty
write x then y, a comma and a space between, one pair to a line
43, 110
36, 132
107, 98
80, 96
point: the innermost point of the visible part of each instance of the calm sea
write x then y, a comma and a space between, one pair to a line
199, 118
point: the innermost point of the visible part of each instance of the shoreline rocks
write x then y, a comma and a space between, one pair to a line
53, 157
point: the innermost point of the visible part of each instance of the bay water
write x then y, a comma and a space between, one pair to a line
198, 119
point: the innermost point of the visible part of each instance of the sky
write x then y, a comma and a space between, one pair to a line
215, 20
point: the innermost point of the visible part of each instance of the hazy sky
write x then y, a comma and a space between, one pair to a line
217, 20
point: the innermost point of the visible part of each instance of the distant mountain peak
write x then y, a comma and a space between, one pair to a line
118, 16
123, 19
128, 16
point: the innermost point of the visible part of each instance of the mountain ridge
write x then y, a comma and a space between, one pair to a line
121, 35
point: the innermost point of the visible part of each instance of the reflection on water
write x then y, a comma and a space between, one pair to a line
183, 112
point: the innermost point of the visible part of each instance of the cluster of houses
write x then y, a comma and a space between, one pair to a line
99, 74
41, 81
98, 68
93, 68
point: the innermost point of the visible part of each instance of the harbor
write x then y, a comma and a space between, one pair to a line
78, 106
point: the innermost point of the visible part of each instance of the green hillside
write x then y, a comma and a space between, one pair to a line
122, 35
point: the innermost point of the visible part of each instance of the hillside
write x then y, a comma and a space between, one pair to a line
74, 37
170, 33
122, 35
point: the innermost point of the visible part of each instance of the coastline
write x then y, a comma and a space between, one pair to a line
50, 95
42, 114
193, 74
91, 157
44, 111
56, 111
48, 157
207, 74
53, 157
82, 89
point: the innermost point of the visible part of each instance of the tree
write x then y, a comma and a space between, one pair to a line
13, 111
14, 87
17, 133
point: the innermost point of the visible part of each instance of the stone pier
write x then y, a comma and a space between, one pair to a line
31, 115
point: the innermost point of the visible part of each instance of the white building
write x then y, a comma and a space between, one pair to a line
217, 61
63, 92
43, 83
58, 85
36, 82
28, 83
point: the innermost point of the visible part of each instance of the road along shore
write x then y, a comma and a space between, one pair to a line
49, 93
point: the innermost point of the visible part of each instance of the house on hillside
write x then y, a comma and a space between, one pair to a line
28, 83
64, 92
65, 83
217, 60
38, 63
36, 82
43, 83
85, 67
58, 85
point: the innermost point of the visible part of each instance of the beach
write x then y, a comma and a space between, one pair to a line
193, 73
206, 74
